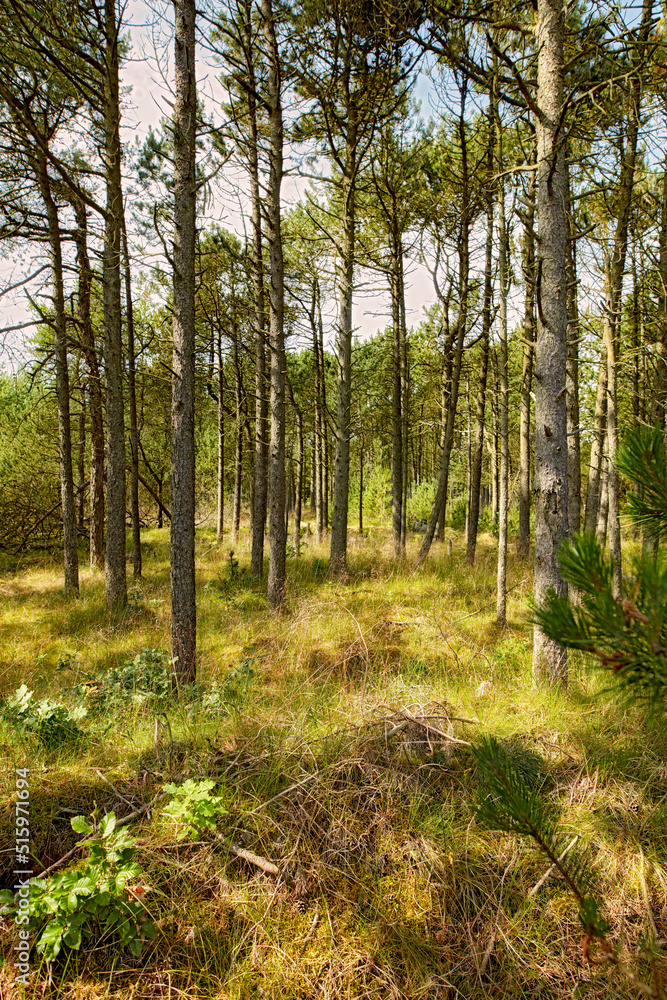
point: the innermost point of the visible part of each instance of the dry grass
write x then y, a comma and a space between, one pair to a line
388, 888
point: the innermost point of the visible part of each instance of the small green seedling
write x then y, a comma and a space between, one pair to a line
193, 808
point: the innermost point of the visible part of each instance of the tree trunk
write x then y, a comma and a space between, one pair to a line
220, 519
523, 544
405, 398
85, 277
396, 411
116, 584
338, 557
572, 374
468, 454
603, 508
298, 488
361, 491
277, 532
443, 478
70, 538
614, 305
495, 441
595, 466
81, 469
550, 658
503, 500
324, 422
478, 447
477, 454
238, 456
659, 394
134, 427
318, 435
446, 395
261, 394
183, 607
438, 514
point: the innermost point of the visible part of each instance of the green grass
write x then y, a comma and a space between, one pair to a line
388, 886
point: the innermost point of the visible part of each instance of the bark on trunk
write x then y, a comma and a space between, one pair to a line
115, 572
396, 413
277, 532
81, 467
549, 658
572, 375
523, 544
319, 429
70, 536
494, 443
439, 507
183, 607
443, 478
220, 519
405, 397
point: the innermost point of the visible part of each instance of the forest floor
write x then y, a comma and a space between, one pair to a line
388, 887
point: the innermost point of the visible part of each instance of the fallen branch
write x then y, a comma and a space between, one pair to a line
311, 933
253, 859
119, 794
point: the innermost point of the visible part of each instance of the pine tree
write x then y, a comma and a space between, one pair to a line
627, 636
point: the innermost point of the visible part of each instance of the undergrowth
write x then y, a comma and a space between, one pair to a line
332, 741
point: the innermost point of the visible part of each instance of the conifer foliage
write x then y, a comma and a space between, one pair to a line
627, 636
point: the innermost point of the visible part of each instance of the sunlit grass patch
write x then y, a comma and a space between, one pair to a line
387, 885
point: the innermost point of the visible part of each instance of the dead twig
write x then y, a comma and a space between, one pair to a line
249, 856
311, 933
119, 794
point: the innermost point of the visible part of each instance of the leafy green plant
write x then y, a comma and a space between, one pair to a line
53, 724
193, 808
105, 897
145, 679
